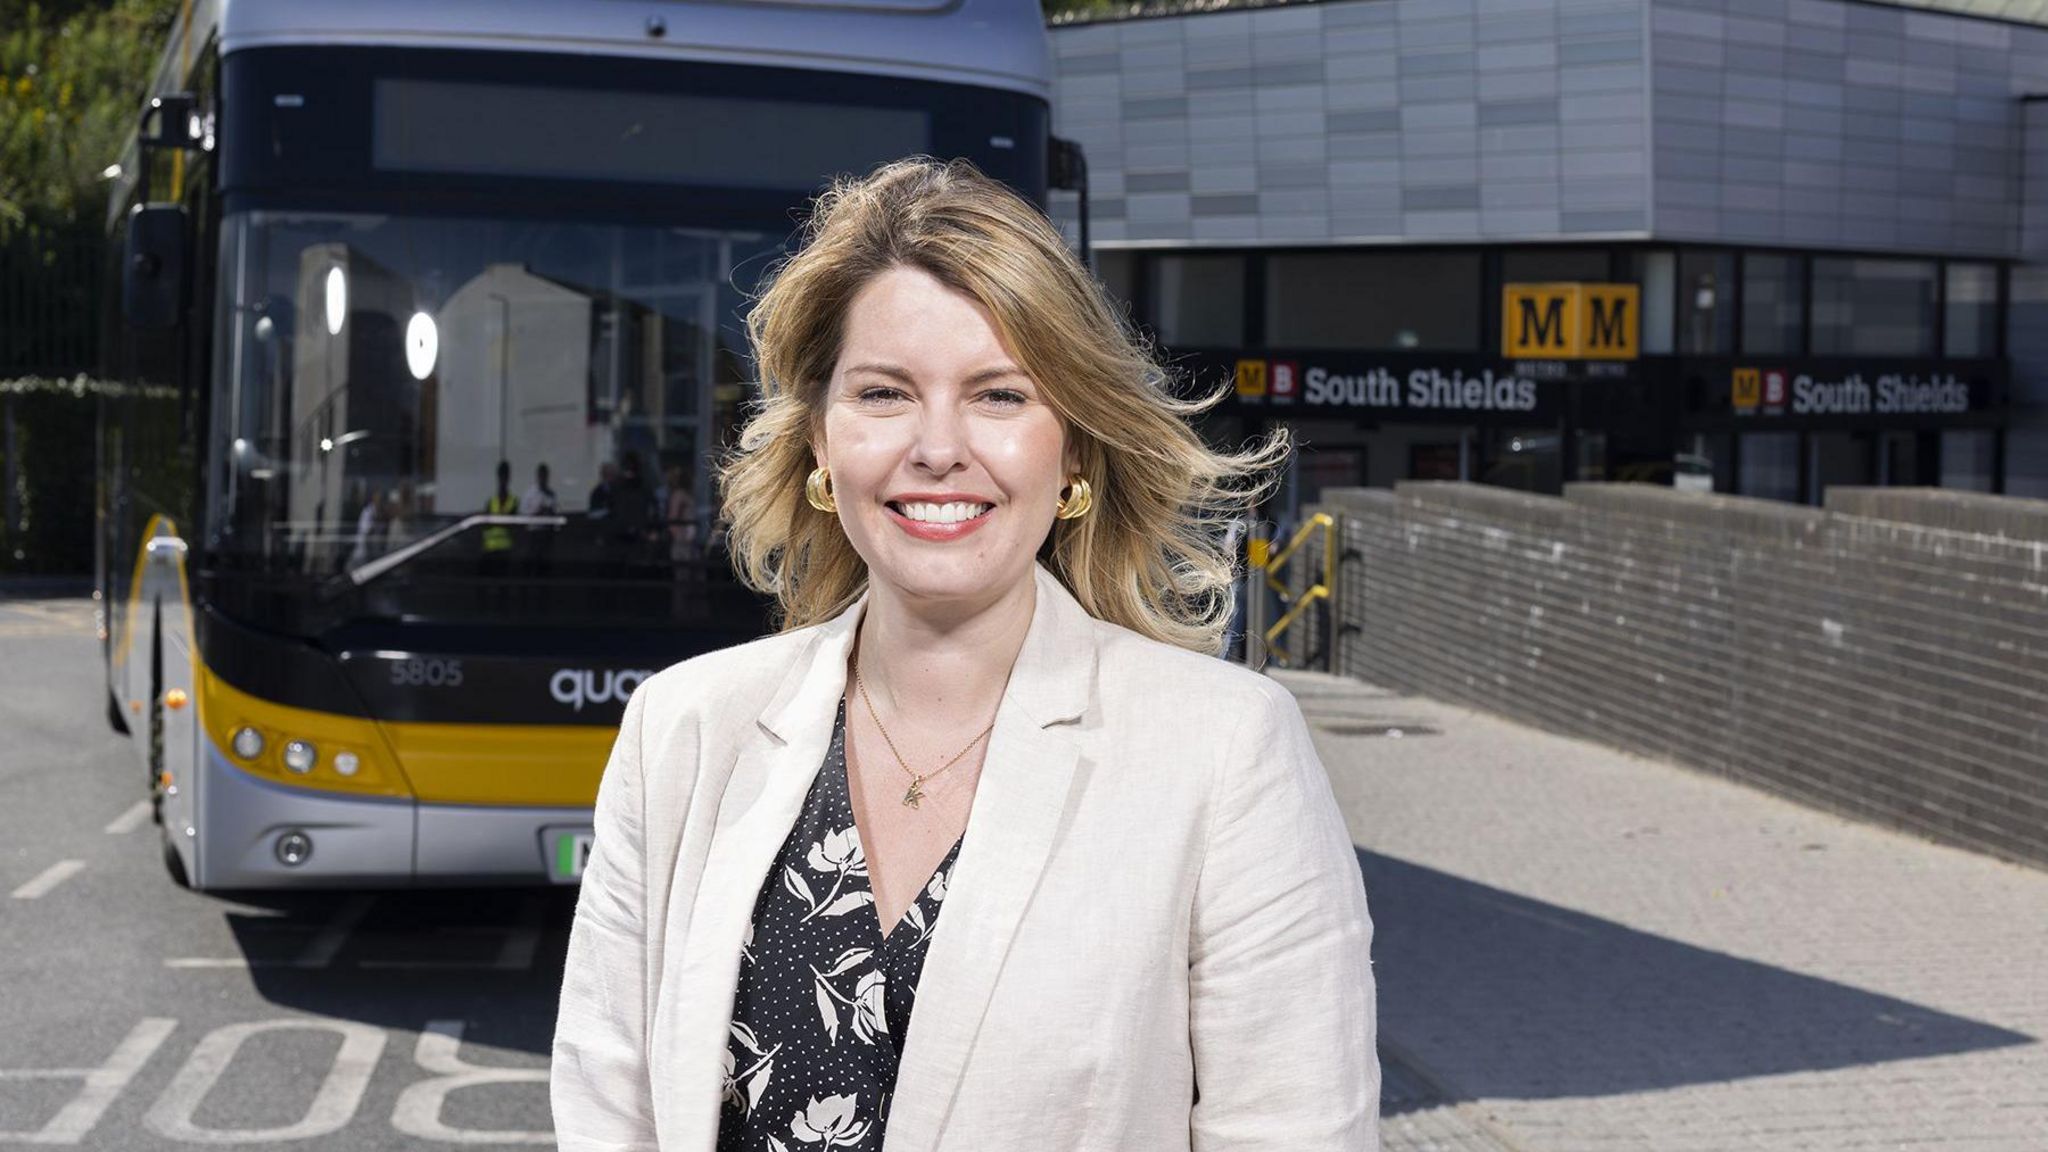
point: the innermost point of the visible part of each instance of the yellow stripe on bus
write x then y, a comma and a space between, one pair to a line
551, 765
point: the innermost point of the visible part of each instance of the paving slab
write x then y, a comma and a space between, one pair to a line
1587, 949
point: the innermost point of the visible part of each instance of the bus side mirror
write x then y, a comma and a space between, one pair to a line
168, 122
153, 267
1066, 168
1066, 165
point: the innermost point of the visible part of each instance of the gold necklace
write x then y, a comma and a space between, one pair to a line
915, 792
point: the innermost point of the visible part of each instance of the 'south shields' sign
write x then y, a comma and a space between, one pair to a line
1794, 392
1392, 390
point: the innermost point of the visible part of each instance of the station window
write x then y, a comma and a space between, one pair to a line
1198, 301
1773, 298
1970, 301
1706, 302
1427, 301
1966, 459
1873, 307
1656, 271
1113, 269
1770, 465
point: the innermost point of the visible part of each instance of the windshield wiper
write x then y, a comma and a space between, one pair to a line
362, 574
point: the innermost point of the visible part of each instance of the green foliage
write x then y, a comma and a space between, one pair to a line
72, 77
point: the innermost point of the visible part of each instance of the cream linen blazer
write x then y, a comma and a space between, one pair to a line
1155, 937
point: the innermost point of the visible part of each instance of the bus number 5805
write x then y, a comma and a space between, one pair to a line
427, 673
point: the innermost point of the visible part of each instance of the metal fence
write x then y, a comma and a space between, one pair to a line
50, 301
1297, 571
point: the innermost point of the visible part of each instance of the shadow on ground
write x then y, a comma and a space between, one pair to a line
1482, 994
492, 956
1491, 995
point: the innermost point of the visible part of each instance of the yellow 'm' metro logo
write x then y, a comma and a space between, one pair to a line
1570, 321
1251, 377
1747, 389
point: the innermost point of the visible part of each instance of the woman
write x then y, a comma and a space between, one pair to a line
989, 770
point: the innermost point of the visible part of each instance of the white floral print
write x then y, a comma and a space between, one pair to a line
744, 1086
867, 988
914, 915
838, 853
870, 1015
830, 1122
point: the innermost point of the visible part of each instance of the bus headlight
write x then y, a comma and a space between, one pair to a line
293, 747
248, 743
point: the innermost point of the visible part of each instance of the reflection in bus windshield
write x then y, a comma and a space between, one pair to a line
398, 376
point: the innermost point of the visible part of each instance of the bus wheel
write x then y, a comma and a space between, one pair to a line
115, 720
173, 863
155, 752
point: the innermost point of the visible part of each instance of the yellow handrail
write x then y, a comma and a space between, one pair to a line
1317, 592
1270, 565
1319, 520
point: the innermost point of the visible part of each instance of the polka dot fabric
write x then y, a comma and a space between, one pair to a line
824, 1001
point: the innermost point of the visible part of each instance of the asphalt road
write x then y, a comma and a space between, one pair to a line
137, 1015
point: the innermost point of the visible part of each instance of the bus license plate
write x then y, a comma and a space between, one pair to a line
568, 852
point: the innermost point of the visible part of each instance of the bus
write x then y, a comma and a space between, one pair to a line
426, 323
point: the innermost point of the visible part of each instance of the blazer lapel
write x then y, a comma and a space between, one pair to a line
763, 795
1026, 781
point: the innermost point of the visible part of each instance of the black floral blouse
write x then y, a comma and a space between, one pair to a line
824, 1000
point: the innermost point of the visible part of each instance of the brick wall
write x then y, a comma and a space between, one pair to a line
1886, 658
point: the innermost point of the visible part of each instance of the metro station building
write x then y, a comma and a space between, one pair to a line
1775, 245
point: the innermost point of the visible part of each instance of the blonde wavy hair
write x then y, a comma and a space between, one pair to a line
1150, 555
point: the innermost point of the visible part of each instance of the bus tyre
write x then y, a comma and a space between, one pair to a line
155, 751
173, 863
115, 720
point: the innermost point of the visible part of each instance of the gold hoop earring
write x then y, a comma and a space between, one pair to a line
1083, 498
818, 490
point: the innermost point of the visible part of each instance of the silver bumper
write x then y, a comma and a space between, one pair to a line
361, 842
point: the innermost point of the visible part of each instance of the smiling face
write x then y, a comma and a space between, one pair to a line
946, 460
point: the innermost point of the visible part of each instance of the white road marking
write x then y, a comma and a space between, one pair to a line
102, 1085
418, 1112
321, 951
341, 1090
130, 820
52, 876
237, 963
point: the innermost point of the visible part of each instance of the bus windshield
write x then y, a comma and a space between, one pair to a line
386, 379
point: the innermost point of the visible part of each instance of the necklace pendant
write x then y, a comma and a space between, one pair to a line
914, 793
